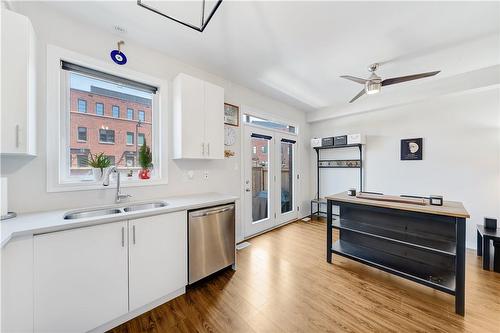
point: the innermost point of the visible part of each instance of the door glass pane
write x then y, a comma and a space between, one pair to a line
260, 178
286, 177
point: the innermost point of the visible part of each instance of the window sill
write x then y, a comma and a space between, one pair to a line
106, 143
93, 185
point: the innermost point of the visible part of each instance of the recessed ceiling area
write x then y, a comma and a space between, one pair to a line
296, 51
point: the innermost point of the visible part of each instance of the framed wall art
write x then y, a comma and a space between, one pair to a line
411, 149
231, 114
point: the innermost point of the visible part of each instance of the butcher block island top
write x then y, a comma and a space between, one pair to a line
449, 208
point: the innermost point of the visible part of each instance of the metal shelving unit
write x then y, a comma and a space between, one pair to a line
334, 164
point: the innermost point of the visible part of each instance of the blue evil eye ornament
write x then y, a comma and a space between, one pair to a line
118, 56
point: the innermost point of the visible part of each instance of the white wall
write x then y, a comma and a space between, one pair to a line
27, 177
460, 155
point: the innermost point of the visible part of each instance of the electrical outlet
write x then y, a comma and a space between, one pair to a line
205, 174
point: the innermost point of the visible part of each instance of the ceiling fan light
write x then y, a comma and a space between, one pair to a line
372, 87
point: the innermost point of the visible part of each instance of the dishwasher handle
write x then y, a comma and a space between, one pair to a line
214, 211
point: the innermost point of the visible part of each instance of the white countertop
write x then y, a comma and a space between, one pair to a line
38, 223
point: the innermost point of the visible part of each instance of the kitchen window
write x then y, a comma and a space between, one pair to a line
82, 105
99, 109
130, 114
115, 111
106, 136
82, 134
96, 82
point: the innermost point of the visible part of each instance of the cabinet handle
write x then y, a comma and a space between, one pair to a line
203, 149
208, 144
123, 236
133, 234
17, 136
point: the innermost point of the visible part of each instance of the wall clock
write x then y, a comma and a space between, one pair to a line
229, 136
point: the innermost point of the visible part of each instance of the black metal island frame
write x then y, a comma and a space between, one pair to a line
424, 244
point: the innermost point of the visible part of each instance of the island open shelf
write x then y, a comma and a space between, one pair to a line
424, 244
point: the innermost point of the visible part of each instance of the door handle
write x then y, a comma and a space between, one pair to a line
17, 136
247, 190
133, 234
203, 149
208, 145
123, 236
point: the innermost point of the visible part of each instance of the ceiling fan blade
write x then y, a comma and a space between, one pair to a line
361, 93
353, 78
400, 79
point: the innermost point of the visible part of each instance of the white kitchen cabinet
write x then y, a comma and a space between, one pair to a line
198, 120
80, 278
18, 117
157, 257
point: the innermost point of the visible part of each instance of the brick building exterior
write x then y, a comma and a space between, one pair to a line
105, 121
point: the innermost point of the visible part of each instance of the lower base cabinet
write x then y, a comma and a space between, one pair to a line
157, 257
80, 278
87, 277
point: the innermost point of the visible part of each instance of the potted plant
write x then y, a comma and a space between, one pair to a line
145, 161
98, 162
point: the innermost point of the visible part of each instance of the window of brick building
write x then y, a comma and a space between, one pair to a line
82, 134
115, 111
99, 109
130, 114
82, 105
142, 116
106, 136
140, 139
130, 138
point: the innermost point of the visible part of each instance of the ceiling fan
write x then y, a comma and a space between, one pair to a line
375, 83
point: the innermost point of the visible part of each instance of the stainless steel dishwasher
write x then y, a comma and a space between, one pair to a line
211, 240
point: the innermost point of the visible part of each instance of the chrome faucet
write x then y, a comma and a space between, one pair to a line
119, 196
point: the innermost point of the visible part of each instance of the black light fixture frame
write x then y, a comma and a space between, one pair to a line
194, 27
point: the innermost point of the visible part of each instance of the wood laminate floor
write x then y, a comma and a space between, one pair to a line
284, 284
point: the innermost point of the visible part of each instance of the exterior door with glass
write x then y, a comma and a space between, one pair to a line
270, 179
259, 175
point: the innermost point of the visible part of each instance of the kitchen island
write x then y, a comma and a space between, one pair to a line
422, 243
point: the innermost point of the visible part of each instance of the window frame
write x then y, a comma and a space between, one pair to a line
107, 142
78, 134
58, 152
143, 136
139, 112
130, 109
78, 105
133, 138
99, 103
113, 111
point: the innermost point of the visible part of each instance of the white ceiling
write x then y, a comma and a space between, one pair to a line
296, 51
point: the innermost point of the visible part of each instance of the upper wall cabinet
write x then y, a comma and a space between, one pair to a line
18, 85
198, 121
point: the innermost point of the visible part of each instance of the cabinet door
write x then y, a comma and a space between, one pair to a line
214, 121
80, 278
18, 84
189, 117
157, 257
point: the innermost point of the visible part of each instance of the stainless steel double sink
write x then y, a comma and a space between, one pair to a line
93, 212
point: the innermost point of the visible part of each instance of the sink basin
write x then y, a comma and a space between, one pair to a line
144, 206
91, 213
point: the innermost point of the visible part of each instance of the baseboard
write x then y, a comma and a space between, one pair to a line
132, 314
